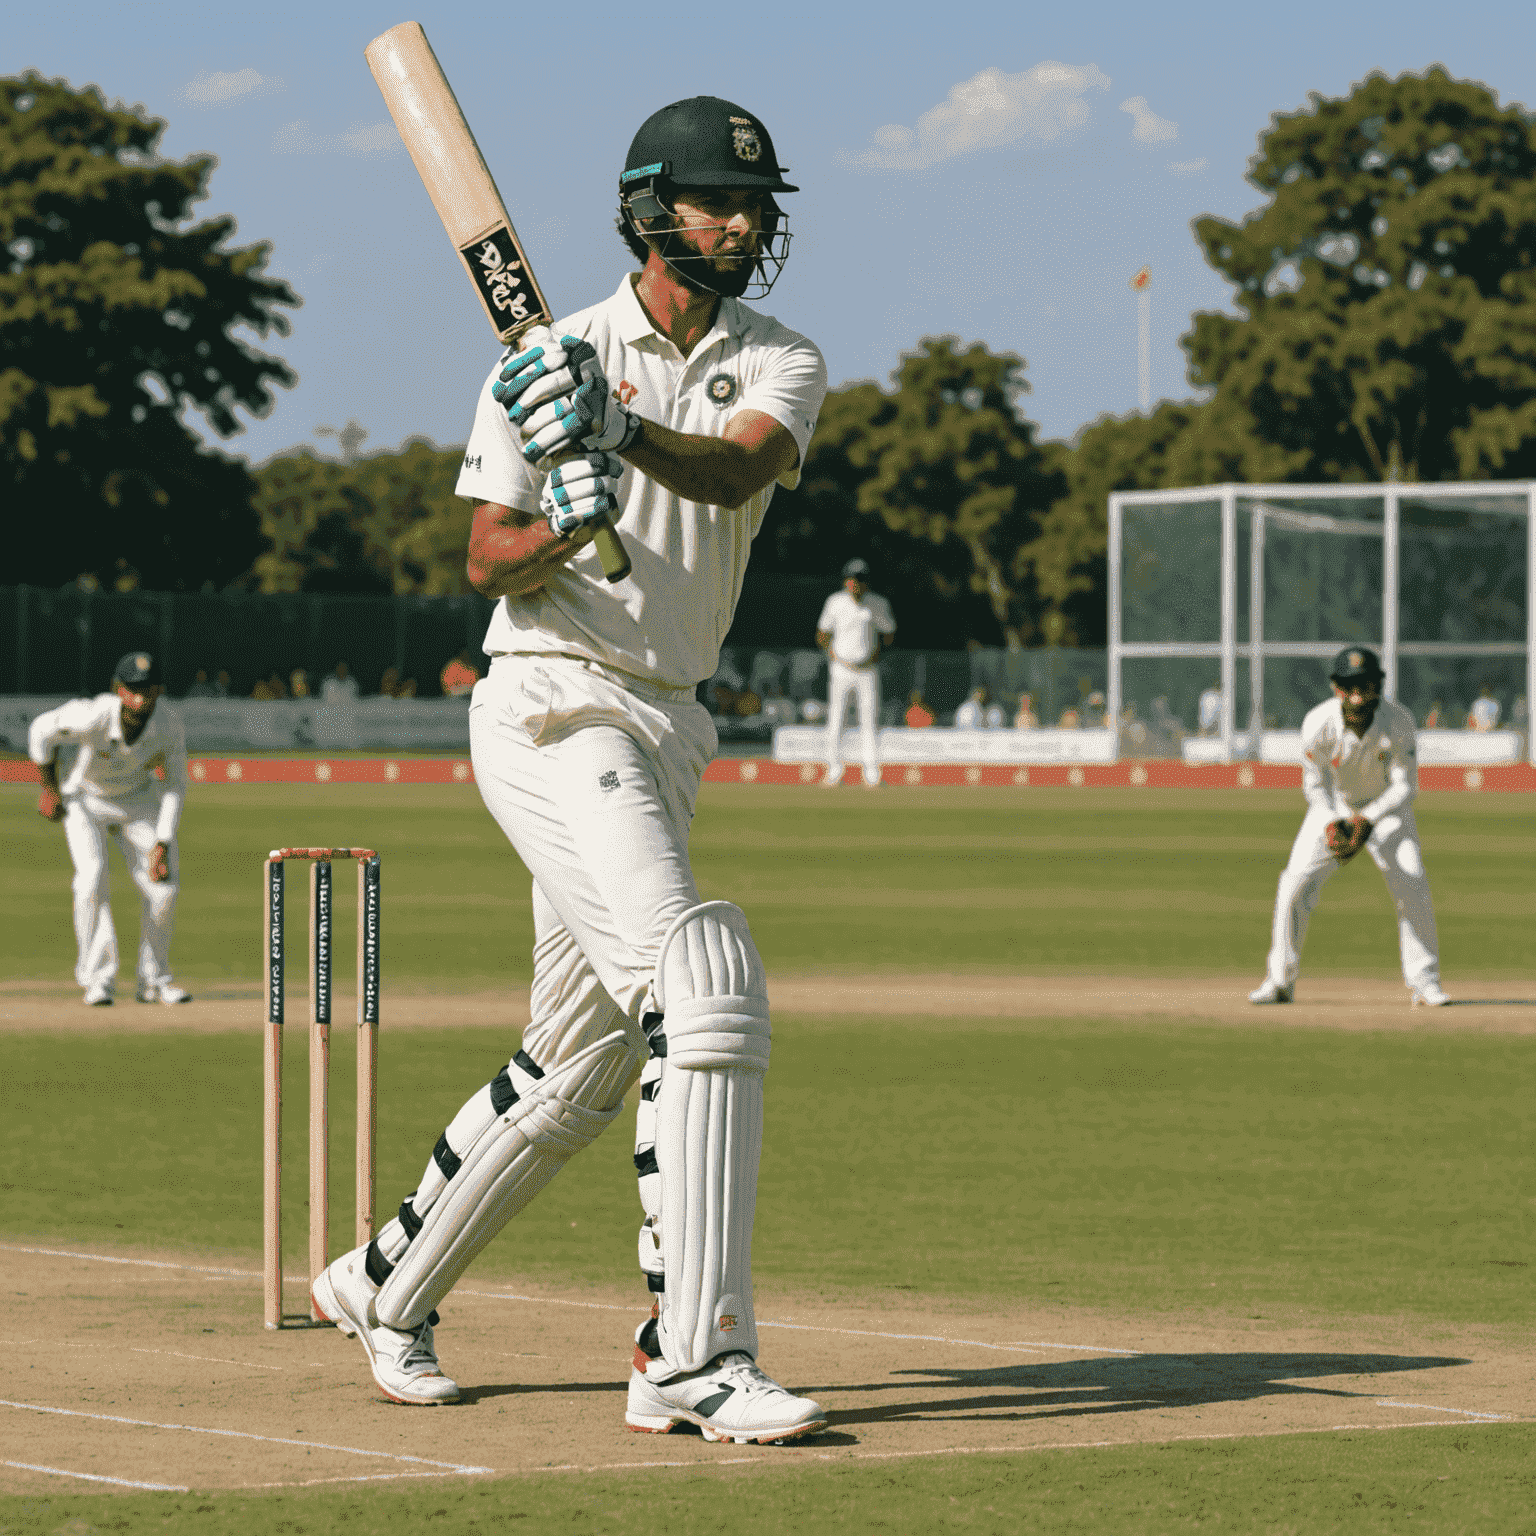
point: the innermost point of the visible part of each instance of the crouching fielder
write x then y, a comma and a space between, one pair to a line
1360, 777
588, 747
112, 791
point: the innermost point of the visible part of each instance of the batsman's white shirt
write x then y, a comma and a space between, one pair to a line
856, 624
110, 774
665, 622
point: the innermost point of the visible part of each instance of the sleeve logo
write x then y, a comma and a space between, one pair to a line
722, 389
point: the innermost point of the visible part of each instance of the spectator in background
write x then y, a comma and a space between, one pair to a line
1070, 719
298, 683
1485, 711
1208, 711
201, 688
994, 717
1432, 719
918, 717
393, 686
814, 711
340, 687
459, 676
272, 688
1026, 719
221, 685
971, 716
1093, 712
777, 710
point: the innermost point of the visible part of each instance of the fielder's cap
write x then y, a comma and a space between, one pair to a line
704, 142
1356, 663
859, 568
138, 669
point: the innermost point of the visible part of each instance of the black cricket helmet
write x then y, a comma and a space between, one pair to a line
1356, 664
702, 142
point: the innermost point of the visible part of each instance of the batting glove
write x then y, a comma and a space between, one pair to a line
588, 420
551, 368
581, 492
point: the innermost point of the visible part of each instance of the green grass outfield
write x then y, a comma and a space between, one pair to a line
1177, 882
1301, 1176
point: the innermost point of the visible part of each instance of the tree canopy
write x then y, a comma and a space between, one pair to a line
116, 315
1386, 324
387, 522
940, 482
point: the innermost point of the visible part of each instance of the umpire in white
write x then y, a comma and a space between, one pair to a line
1360, 777
113, 791
855, 626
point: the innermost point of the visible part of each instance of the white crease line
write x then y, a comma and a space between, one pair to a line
176, 1354
96, 1477
241, 1434
1092, 1349
367, 1477
1471, 1413
103, 1258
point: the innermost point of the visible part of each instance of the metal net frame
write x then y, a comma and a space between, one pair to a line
1374, 554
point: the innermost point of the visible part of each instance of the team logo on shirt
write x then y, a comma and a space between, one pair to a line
722, 389
625, 392
744, 139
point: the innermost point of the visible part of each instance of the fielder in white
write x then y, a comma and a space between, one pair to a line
588, 747
855, 626
112, 791
1360, 777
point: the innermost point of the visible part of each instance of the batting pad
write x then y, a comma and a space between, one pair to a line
712, 990
565, 1110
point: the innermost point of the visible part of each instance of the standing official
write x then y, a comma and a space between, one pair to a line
685, 408
112, 791
1360, 777
855, 626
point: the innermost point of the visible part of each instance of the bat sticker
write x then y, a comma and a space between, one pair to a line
501, 278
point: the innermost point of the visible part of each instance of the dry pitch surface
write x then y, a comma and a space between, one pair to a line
131, 1369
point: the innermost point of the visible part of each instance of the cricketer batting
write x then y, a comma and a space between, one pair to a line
684, 409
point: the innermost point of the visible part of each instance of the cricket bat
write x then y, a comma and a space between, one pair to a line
456, 177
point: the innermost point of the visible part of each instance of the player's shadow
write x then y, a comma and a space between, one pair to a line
534, 1388
1120, 1384
1492, 1002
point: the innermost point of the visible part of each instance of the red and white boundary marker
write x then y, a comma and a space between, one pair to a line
758, 770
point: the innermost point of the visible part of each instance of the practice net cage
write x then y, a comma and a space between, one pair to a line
1252, 589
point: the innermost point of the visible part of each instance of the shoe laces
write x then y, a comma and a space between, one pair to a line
420, 1356
744, 1372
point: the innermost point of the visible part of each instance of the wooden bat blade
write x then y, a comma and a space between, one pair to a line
457, 179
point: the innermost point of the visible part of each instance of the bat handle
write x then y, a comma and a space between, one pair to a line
611, 551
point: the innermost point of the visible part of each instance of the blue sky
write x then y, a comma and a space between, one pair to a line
996, 171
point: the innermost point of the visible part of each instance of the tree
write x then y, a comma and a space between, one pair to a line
389, 522
1387, 290
939, 482
116, 315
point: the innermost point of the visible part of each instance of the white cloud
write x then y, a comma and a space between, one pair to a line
298, 138
1147, 127
988, 111
1188, 167
220, 88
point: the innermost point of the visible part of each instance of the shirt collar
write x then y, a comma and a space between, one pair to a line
731, 319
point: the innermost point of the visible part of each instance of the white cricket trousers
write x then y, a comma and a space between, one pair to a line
863, 683
1394, 845
593, 779
88, 823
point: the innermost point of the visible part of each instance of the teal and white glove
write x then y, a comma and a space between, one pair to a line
587, 420
581, 492
548, 368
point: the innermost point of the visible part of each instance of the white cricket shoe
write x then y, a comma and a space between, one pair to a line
730, 1399
1271, 992
98, 995
832, 778
404, 1362
169, 994
1429, 995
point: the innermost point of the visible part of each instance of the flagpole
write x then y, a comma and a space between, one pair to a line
1141, 286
